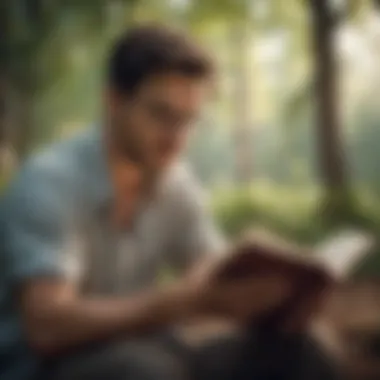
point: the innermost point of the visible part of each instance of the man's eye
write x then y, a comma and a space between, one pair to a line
159, 112
195, 119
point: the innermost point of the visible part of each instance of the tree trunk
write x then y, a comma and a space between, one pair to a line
8, 159
330, 142
23, 131
242, 102
16, 125
3, 110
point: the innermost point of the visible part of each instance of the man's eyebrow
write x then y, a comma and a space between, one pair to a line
167, 108
163, 106
158, 104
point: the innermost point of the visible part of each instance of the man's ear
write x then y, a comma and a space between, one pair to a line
111, 100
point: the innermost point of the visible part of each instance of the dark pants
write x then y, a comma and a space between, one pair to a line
249, 356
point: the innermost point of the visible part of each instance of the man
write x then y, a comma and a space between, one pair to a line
90, 224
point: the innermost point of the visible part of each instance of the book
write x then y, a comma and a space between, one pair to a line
343, 252
314, 270
332, 260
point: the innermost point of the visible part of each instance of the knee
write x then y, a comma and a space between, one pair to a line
309, 358
293, 353
146, 363
131, 361
296, 346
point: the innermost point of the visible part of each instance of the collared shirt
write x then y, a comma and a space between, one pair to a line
52, 223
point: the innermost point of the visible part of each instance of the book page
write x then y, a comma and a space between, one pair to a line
343, 252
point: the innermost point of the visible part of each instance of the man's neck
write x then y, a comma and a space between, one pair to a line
127, 181
132, 184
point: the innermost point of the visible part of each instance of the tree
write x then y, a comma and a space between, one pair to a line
330, 140
35, 48
241, 39
235, 21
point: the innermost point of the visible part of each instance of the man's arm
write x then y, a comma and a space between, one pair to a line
196, 238
55, 316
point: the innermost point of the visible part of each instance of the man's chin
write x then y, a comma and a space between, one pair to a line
163, 162
156, 170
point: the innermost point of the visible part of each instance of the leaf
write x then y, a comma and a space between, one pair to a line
357, 9
217, 10
298, 101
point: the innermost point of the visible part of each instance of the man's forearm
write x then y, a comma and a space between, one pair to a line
82, 320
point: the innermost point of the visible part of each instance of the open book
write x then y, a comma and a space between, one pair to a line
314, 271
342, 253
334, 259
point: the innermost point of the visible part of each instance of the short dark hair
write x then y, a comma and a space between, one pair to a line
147, 50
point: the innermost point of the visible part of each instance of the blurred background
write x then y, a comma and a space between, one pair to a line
291, 139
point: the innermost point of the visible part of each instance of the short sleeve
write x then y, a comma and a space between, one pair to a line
196, 233
34, 220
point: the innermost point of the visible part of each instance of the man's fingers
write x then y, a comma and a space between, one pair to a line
252, 298
299, 318
272, 288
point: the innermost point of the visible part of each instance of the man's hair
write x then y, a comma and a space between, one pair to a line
148, 50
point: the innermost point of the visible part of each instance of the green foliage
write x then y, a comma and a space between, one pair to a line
294, 213
286, 210
356, 10
217, 10
37, 51
297, 102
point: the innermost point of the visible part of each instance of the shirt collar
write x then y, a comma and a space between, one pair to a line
100, 184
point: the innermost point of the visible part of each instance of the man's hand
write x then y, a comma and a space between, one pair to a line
240, 299
299, 318
265, 277
248, 299
298, 313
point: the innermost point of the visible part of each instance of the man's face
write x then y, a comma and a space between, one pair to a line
152, 126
